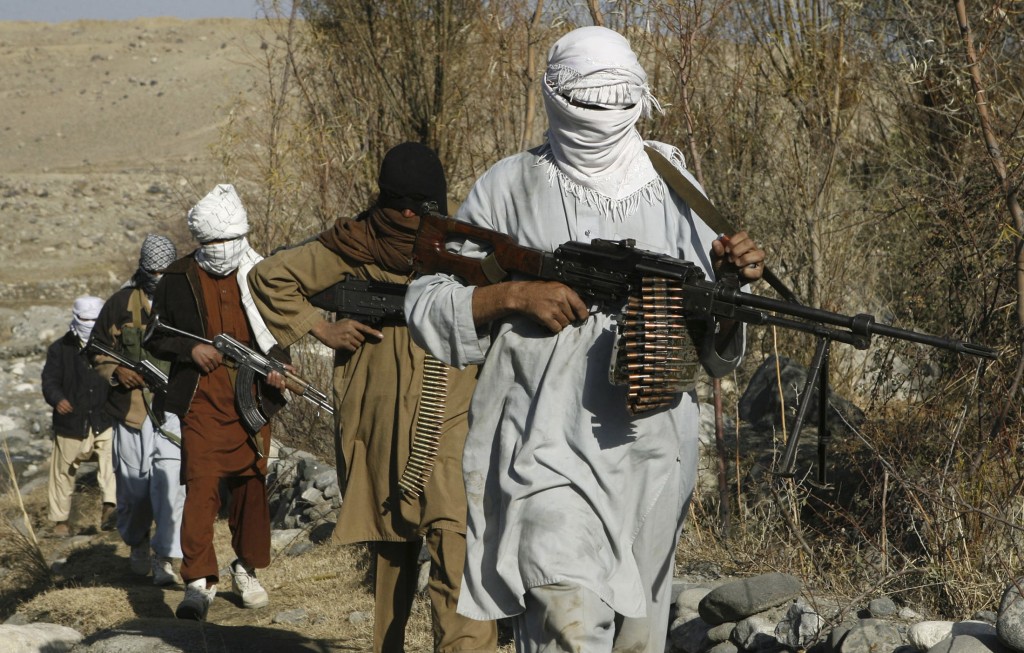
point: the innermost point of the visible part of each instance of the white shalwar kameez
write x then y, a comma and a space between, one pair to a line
563, 485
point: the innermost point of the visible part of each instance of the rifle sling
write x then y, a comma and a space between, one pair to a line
157, 424
492, 269
685, 189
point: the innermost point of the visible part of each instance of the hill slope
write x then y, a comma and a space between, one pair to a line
108, 130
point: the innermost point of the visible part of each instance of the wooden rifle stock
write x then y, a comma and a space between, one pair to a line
430, 255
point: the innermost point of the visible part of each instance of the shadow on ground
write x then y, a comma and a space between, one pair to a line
171, 635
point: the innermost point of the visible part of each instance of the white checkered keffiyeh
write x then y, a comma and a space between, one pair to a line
219, 215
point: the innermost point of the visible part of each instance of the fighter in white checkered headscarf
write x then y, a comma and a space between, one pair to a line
206, 294
219, 222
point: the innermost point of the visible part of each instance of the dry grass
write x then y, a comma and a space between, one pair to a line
830, 540
93, 590
20, 550
86, 609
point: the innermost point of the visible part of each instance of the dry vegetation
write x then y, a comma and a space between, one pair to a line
93, 589
845, 136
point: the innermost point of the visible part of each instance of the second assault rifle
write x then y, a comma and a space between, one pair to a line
152, 376
249, 362
366, 300
657, 298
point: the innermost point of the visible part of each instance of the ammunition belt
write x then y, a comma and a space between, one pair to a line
654, 353
427, 436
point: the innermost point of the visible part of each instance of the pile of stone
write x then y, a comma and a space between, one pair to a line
304, 499
768, 613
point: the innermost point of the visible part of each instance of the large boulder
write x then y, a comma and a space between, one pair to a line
760, 405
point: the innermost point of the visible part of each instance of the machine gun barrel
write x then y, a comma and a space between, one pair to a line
861, 326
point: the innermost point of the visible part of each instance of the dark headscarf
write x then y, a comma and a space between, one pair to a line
410, 175
156, 254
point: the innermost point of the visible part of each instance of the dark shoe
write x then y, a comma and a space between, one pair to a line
108, 518
197, 601
139, 558
60, 529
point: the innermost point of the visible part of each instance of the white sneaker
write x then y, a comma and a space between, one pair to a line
196, 603
244, 583
139, 559
163, 571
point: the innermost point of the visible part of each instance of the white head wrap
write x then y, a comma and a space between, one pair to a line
219, 215
84, 312
223, 258
597, 152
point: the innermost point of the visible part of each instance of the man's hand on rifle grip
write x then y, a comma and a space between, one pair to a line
128, 378
551, 304
206, 357
345, 334
276, 380
738, 251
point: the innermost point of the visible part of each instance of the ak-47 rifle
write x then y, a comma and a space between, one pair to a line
369, 301
249, 363
657, 299
152, 376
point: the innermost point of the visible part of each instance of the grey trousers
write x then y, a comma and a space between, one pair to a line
569, 618
150, 496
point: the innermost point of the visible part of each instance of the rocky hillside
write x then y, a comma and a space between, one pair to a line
108, 130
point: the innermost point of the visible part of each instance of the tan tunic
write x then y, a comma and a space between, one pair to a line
376, 397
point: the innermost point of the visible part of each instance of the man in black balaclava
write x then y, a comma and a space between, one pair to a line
400, 414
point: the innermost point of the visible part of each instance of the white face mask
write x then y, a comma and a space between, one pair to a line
222, 258
82, 328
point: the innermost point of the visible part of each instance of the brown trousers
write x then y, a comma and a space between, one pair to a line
397, 572
248, 519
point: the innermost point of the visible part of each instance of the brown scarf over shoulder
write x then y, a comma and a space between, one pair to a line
381, 236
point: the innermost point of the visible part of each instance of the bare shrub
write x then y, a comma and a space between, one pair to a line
20, 549
840, 136
302, 424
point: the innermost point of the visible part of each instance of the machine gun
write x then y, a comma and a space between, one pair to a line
152, 376
658, 301
249, 363
369, 301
